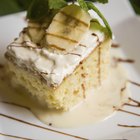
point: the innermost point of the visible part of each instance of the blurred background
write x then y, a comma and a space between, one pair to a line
14, 6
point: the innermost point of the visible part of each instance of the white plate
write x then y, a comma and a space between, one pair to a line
126, 27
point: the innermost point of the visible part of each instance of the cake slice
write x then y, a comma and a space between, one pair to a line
66, 60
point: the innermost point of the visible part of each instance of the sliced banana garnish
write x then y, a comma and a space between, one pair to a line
67, 28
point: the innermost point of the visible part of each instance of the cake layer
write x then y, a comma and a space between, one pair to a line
90, 73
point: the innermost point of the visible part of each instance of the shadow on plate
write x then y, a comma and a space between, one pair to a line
127, 33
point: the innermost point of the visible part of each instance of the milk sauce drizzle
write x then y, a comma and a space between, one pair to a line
93, 109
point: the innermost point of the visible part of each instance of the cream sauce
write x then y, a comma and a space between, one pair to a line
98, 106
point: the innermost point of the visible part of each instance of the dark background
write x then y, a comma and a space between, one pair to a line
13, 6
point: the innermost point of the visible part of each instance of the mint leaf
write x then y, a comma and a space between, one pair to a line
90, 5
57, 4
9, 6
100, 1
136, 5
94, 20
83, 4
95, 25
39, 10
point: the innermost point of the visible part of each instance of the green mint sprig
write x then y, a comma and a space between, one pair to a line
83, 4
38, 10
57, 4
42, 9
100, 1
91, 6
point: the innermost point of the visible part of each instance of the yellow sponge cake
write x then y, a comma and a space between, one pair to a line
67, 59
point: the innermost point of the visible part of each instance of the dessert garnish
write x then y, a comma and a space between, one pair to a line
44, 10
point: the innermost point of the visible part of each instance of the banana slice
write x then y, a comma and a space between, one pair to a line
35, 31
67, 28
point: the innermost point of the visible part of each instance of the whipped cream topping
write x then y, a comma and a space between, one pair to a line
52, 66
